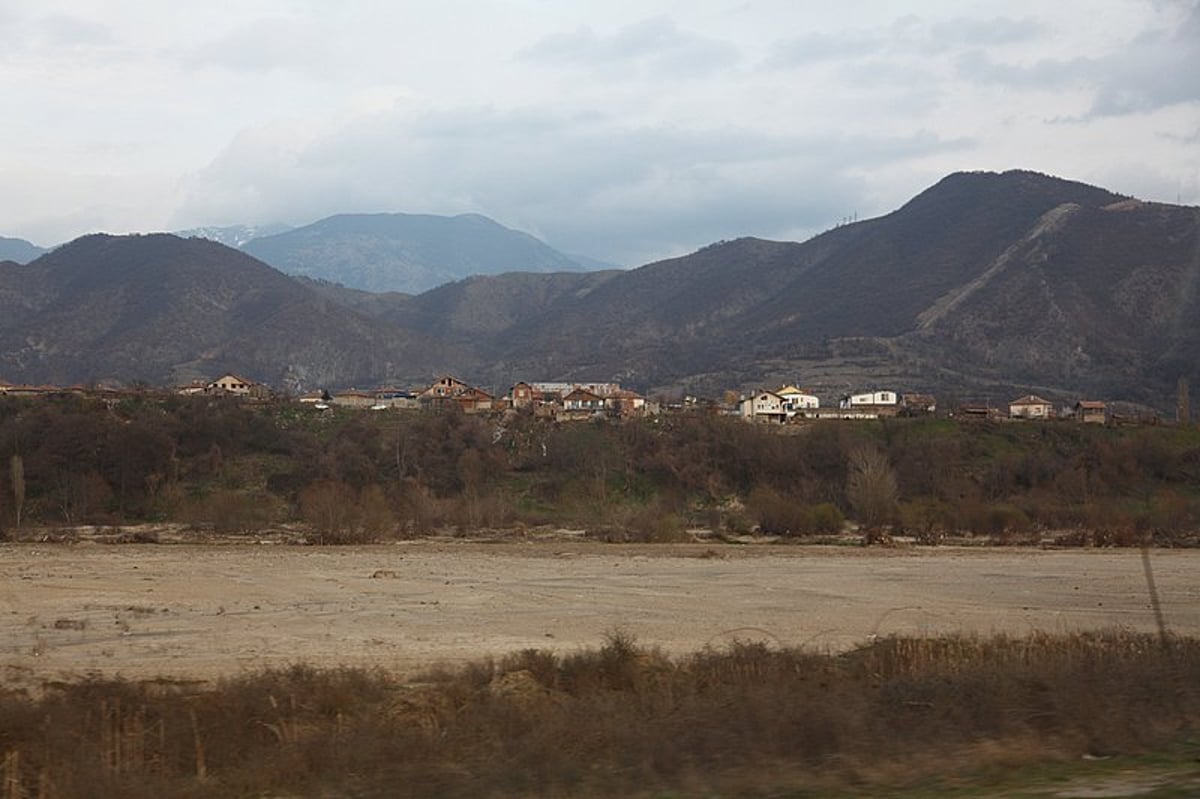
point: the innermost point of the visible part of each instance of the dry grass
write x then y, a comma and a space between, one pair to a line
618, 720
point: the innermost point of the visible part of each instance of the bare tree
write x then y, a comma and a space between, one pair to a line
871, 489
1183, 406
16, 470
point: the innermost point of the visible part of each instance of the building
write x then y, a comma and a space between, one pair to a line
230, 384
918, 404
763, 406
797, 401
882, 403
1091, 412
625, 403
1030, 406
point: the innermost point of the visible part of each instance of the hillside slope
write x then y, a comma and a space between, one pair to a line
942, 293
163, 309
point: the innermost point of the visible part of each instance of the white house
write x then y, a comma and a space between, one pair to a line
763, 406
871, 399
797, 400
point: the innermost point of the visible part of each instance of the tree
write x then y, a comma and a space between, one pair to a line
1183, 407
871, 489
16, 470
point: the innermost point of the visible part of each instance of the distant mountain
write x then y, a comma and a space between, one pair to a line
406, 252
235, 236
18, 250
163, 309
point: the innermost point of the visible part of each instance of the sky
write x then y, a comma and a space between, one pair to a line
625, 131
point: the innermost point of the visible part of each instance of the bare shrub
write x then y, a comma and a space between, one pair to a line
340, 515
232, 511
621, 719
827, 519
777, 513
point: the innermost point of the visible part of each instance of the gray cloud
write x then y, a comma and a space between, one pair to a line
1158, 68
585, 182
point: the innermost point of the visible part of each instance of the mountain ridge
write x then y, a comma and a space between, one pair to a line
984, 284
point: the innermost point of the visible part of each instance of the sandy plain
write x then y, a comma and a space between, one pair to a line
200, 612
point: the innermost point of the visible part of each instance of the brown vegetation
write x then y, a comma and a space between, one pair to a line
353, 477
620, 720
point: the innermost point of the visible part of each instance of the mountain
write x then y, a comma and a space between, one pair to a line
981, 284
18, 250
406, 252
232, 235
163, 309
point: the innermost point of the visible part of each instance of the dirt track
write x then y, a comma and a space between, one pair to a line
183, 611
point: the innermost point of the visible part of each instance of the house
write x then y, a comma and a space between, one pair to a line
538, 395
625, 403
447, 391
883, 403
1031, 406
918, 404
1091, 412
445, 387
353, 398
475, 400
234, 385
763, 406
583, 400
979, 411
395, 398
797, 400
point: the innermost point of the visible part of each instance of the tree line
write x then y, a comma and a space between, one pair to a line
217, 463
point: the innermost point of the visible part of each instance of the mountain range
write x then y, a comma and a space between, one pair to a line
409, 253
983, 286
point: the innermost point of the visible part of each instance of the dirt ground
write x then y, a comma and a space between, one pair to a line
200, 612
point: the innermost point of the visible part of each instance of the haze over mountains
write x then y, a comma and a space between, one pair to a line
981, 286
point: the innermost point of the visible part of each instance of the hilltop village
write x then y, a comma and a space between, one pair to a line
572, 401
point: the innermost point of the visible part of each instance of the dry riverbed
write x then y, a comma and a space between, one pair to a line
198, 612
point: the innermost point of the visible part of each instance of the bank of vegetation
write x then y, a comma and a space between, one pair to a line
217, 464
620, 720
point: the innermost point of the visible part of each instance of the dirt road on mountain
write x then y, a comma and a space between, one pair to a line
200, 612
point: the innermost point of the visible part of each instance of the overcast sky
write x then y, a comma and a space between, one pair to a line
626, 131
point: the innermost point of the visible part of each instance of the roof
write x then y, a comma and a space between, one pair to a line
790, 389
1031, 399
582, 393
235, 376
1090, 405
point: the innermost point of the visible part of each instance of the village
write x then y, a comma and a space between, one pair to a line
572, 401
579, 401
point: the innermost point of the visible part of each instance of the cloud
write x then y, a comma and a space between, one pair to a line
264, 45
1157, 68
653, 46
585, 182
905, 36
964, 31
